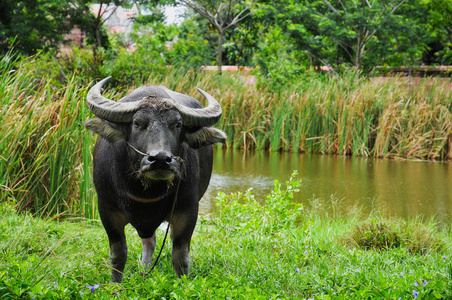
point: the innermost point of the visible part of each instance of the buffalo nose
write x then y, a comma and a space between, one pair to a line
159, 157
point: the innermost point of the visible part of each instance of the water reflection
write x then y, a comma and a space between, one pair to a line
397, 188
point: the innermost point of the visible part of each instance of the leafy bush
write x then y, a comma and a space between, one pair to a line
76, 65
278, 64
189, 52
239, 211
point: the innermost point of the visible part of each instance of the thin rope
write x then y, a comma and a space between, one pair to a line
138, 151
170, 218
166, 233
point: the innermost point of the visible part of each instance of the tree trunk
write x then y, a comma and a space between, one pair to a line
98, 35
220, 50
98, 44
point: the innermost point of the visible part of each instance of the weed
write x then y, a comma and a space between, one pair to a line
376, 236
417, 237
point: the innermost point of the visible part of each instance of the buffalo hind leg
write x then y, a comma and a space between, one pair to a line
181, 232
148, 250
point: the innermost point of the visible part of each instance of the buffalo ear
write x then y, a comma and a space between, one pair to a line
106, 130
204, 136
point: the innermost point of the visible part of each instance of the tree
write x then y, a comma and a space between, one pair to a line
223, 15
32, 24
439, 24
361, 33
353, 25
91, 22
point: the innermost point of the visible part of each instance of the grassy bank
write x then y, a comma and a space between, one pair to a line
345, 115
247, 250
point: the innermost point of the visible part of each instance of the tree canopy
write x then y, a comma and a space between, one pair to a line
32, 24
284, 38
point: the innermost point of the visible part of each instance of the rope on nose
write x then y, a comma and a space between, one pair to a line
136, 150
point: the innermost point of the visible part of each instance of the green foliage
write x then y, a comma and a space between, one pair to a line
128, 67
75, 65
359, 33
32, 25
277, 61
189, 52
239, 212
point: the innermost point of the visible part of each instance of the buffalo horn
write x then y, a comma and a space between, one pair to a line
201, 117
108, 109
123, 112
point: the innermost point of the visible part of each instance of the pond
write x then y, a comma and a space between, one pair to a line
396, 188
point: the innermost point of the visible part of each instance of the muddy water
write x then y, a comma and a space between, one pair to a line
405, 189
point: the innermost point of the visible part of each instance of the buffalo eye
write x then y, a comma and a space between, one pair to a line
179, 125
136, 124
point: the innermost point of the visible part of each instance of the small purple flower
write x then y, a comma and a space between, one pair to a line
424, 282
79, 238
444, 258
415, 294
306, 253
416, 283
401, 274
93, 287
357, 270
297, 270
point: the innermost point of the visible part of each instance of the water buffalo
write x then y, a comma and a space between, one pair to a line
154, 148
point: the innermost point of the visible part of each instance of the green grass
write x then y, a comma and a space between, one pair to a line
248, 249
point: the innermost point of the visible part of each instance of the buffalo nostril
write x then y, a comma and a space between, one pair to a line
161, 156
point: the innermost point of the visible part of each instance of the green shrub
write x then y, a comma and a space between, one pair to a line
241, 211
58, 69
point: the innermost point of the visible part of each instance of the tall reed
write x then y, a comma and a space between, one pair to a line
45, 151
345, 115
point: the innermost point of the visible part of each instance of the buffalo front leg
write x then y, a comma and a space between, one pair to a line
118, 259
148, 250
182, 227
114, 223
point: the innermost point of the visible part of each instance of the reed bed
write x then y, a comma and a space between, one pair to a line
389, 118
45, 152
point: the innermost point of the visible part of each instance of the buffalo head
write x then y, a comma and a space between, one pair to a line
154, 121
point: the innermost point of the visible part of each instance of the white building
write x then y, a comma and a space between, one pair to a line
117, 19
